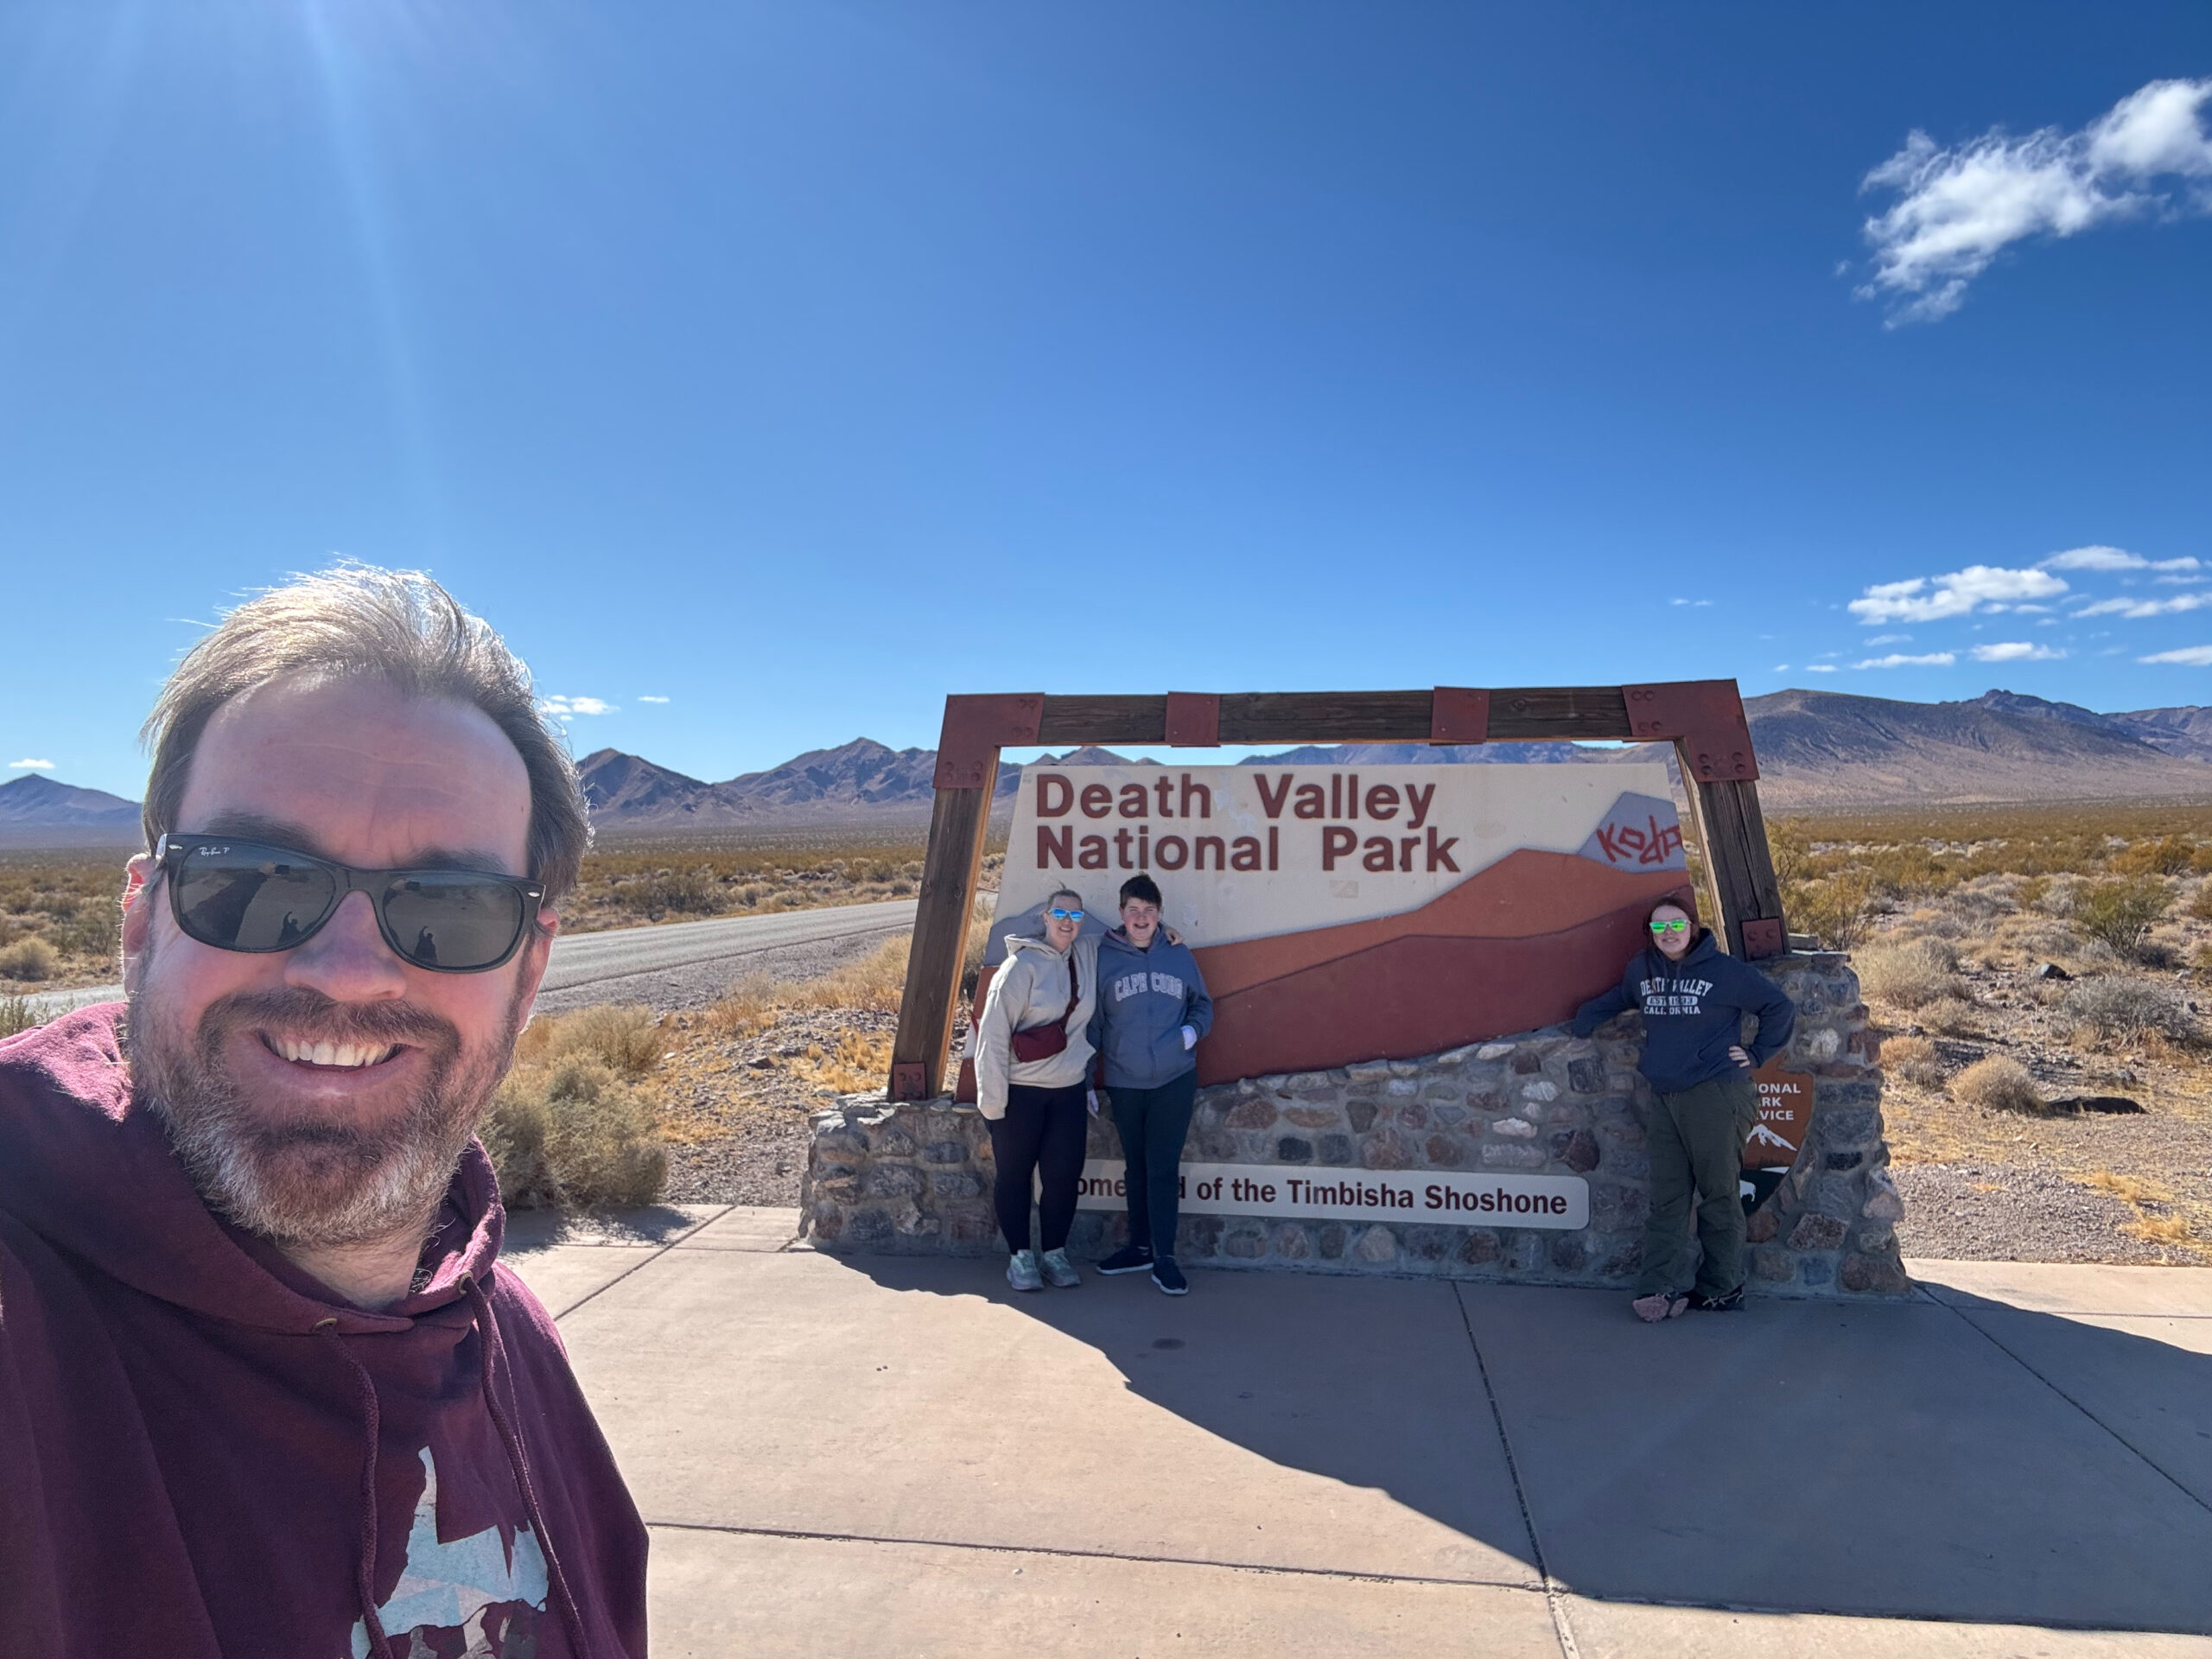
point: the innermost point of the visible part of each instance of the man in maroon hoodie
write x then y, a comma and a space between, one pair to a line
264, 1388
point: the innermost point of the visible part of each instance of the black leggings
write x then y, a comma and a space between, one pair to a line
1043, 1131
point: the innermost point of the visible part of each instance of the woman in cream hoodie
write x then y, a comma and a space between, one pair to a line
1034, 1108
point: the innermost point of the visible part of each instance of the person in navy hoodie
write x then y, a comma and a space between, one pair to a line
1704, 1104
1153, 1011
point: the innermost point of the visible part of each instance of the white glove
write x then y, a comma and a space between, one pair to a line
1190, 1038
1090, 1099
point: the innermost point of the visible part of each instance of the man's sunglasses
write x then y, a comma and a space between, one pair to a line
246, 895
1060, 915
1675, 926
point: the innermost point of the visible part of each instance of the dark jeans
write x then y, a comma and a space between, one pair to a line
1042, 1133
1152, 1122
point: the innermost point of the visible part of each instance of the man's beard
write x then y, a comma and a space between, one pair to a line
304, 1181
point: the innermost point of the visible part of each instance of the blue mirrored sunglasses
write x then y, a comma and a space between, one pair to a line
1060, 915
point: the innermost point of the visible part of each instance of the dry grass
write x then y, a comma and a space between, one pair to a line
1952, 1015
1998, 1082
1909, 973
1915, 1059
875, 983
2155, 1219
569, 1127
857, 1063
15, 1015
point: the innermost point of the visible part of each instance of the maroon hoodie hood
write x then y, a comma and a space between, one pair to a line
205, 1453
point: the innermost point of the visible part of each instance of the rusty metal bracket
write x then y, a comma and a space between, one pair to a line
909, 1080
976, 727
1194, 719
1764, 937
1706, 716
1458, 713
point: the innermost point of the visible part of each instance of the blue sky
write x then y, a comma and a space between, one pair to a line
798, 364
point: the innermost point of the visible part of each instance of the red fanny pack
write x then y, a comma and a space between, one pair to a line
1042, 1042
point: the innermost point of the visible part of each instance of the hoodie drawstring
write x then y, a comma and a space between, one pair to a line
488, 1344
365, 1566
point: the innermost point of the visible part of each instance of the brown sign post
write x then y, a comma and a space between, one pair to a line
1704, 719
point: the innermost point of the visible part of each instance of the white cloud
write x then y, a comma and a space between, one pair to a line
1933, 659
1959, 206
1820, 668
2135, 608
1689, 602
652, 699
1779, 668
1979, 587
2015, 651
29, 765
2178, 581
2095, 558
2193, 656
563, 706
1888, 638
2112, 558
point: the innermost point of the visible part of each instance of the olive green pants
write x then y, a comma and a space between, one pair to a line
1697, 1142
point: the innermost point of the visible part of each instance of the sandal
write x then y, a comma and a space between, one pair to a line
1660, 1307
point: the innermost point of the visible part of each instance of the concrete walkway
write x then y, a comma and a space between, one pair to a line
903, 1457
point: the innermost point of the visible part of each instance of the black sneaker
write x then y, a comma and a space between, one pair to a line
1169, 1277
1130, 1258
1729, 1302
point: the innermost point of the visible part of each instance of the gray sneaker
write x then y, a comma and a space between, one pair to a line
1059, 1272
1022, 1272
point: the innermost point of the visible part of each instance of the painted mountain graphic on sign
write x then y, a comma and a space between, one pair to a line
1520, 943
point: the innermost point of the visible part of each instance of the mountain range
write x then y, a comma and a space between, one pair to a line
1817, 750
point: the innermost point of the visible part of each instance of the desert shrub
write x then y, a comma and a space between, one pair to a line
1998, 1082
1833, 910
876, 983
572, 1134
1908, 973
15, 1015
1930, 924
2200, 903
2166, 856
670, 892
2118, 914
1952, 1015
29, 959
2031, 894
1909, 871
626, 1039
1914, 1058
2117, 1006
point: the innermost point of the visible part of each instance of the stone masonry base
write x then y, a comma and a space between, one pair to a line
915, 1178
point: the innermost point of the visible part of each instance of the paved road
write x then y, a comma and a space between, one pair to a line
679, 964
2016, 1460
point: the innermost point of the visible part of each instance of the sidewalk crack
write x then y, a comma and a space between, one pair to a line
1997, 1342
1554, 1592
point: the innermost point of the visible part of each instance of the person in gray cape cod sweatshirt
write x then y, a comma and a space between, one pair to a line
1152, 1010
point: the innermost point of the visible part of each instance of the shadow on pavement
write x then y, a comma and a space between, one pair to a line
1972, 1461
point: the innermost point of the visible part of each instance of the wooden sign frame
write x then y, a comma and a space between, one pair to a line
1704, 719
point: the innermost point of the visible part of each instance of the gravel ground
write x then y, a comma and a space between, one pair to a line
696, 984
2009, 1212
738, 1107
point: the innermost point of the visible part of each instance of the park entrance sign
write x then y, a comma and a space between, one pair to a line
1386, 1088
1339, 913
1703, 719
